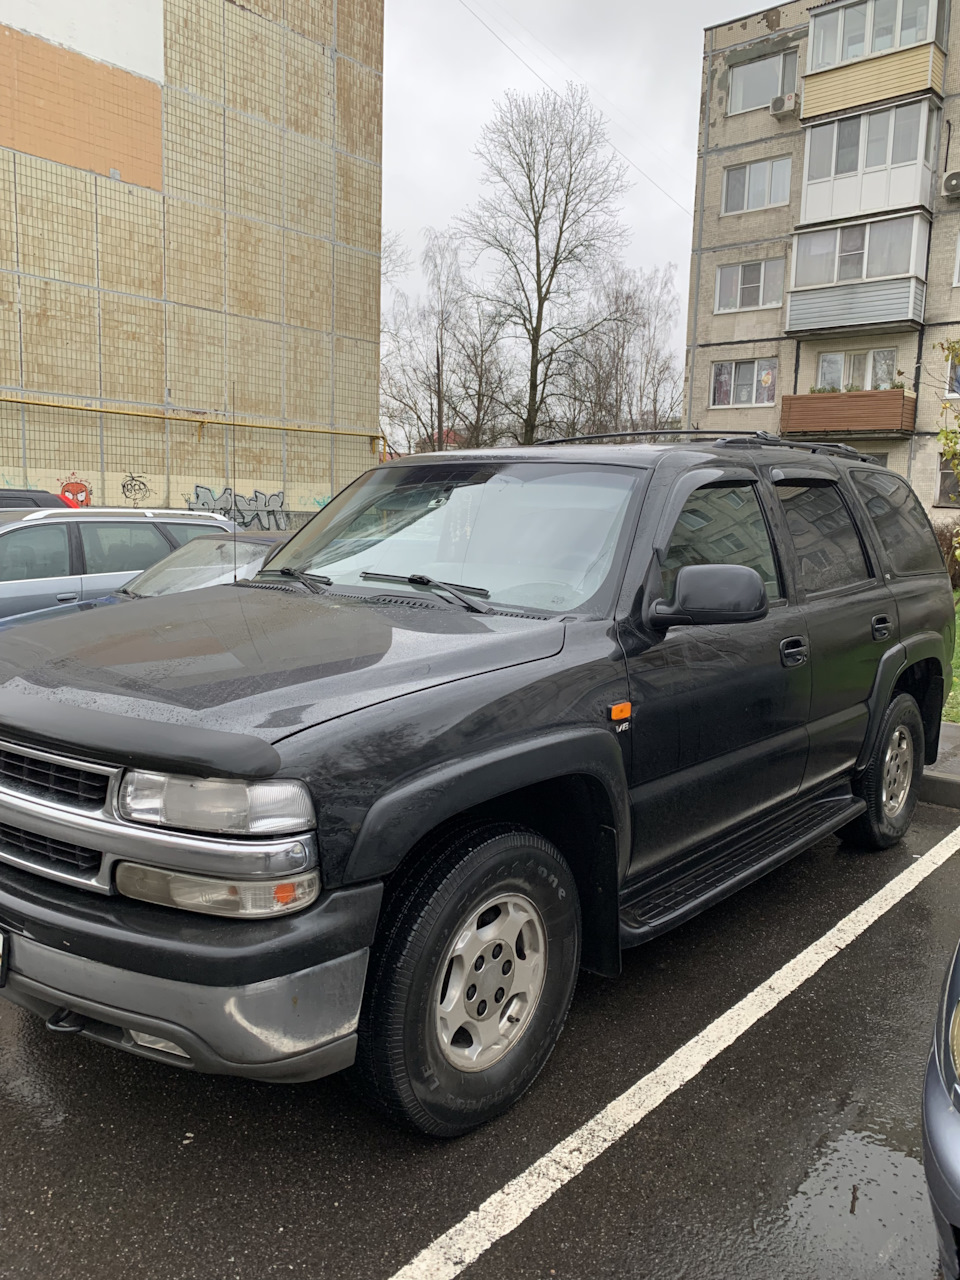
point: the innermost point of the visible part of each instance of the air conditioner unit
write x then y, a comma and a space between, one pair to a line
788, 104
951, 184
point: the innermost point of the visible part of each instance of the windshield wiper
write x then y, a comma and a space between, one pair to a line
307, 579
454, 589
124, 591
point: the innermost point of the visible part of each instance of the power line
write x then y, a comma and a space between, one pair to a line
623, 156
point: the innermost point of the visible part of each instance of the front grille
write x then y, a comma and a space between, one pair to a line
14, 840
47, 780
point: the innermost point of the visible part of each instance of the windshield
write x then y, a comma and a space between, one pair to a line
204, 562
530, 535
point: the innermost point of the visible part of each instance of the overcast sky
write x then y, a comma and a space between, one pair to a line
639, 58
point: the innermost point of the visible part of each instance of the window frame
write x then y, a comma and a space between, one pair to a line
94, 523
952, 365
747, 166
956, 264
757, 489
739, 266
754, 403
935, 33
869, 352
912, 271
793, 51
929, 111
65, 525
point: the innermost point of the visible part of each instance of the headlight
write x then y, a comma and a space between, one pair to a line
279, 806
247, 899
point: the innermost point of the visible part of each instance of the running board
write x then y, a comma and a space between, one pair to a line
697, 881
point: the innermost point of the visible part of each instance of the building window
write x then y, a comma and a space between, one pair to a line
948, 494
746, 286
860, 251
756, 84
876, 26
743, 383
757, 185
875, 141
953, 378
956, 265
857, 370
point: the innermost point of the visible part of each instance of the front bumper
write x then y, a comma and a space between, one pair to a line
273, 1000
941, 1163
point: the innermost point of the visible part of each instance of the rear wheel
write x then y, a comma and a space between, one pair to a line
470, 981
890, 784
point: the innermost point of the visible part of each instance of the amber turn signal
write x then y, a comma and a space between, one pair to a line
621, 710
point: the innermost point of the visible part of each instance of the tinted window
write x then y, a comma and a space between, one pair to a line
122, 548
828, 545
900, 522
41, 552
182, 532
721, 526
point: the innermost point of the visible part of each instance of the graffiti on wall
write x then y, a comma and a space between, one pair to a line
135, 489
262, 511
75, 491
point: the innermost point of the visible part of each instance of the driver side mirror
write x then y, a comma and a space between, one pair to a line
711, 594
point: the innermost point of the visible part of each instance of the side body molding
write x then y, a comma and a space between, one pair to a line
397, 820
927, 644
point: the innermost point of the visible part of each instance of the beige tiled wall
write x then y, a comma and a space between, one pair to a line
248, 285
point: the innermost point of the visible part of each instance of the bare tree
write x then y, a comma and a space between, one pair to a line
442, 375
547, 224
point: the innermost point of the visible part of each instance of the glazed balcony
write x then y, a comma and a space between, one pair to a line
849, 413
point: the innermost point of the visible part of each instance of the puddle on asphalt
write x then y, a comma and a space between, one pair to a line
862, 1210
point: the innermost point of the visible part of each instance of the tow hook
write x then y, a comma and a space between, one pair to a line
66, 1021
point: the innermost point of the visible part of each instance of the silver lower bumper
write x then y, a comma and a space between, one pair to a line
292, 1028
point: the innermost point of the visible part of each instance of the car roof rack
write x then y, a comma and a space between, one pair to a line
777, 442
665, 436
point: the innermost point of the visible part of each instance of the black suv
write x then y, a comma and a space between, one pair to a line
488, 717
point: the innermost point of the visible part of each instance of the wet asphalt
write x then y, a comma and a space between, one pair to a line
794, 1154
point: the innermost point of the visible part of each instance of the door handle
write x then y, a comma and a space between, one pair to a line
794, 651
881, 626
68, 597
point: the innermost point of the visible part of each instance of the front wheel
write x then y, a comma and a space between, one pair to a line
890, 784
470, 981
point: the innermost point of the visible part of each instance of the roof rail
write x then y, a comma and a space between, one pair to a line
147, 513
667, 436
810, 446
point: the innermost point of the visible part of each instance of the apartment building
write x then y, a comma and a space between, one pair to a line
826, 261
190, 250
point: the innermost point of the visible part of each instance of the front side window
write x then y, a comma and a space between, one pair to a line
900, 521
877, 26
828, 546
756, 84
40, 552
743, 383
745, 285
541, 536
867, 250
757, 185
722, 525
857, 370
121, 548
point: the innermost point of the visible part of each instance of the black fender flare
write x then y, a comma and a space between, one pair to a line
397, 820
926, 644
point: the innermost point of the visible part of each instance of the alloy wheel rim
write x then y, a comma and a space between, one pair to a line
490, 981
897, 771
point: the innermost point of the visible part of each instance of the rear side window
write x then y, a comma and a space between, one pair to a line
828, 545
40, 552
182, 532
721, 525
121, 548
900, 522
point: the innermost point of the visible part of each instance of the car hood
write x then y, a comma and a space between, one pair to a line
161, 677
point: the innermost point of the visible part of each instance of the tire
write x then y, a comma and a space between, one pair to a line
891, 787
446, 1045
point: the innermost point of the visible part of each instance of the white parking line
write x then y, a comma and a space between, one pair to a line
506, 1209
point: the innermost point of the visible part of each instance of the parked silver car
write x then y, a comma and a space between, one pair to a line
59, 555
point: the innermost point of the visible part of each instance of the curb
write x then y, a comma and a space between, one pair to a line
940, 788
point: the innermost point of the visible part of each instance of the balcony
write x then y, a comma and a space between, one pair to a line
873, 79
849, 413
866, 304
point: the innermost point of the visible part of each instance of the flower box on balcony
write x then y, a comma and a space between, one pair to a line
848, 413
